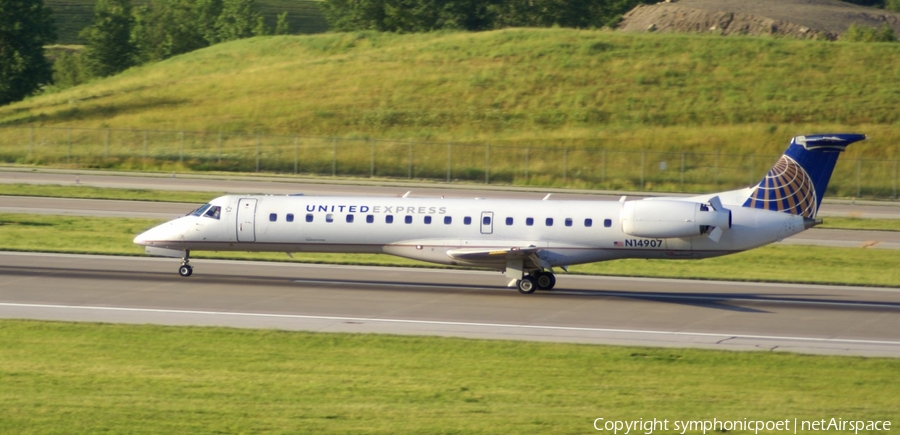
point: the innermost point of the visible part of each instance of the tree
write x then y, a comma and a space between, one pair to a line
69, 70
25, 27
282, 27
239, 19
109, 49
165, 28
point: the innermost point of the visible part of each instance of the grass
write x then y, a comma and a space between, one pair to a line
853, 266
71, 16
88, 378
547, 89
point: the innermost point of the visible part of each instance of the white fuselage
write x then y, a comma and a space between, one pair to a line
454, 231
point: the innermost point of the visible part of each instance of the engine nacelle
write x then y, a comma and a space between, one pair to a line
666, 218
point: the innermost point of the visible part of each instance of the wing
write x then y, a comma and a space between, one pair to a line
528, 254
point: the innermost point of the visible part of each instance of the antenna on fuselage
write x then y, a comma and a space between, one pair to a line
547, 197
406, 195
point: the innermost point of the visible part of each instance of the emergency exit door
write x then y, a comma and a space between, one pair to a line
246, 220
487, 222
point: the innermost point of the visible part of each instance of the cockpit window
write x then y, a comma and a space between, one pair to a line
199, 211
213, 212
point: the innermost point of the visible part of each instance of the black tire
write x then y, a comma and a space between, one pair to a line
545, 280
526, 285
185, 270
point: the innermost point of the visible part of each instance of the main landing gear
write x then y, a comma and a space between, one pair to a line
537, 280
186, 270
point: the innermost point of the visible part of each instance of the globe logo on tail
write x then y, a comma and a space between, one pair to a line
788, 188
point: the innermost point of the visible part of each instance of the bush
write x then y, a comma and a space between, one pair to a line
869, 34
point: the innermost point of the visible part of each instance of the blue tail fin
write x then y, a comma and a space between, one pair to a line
797, 182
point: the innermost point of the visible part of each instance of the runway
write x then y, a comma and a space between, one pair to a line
475, 304
328, 298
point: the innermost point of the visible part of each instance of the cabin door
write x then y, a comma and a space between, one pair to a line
246, 220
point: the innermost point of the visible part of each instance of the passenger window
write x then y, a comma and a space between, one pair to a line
290, 217
427, 219
408, 219
486, 220
349, 218
329, 218
213, 212
389, 219
448, 220
467, 220
273, 217
370, 218
588, 222
549, 222
568, 222
607, 223
309, 217
509, 221
529, 221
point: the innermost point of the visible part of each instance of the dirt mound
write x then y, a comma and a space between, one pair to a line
814, 19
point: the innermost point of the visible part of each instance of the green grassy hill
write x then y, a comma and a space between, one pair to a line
550, 87
72, 16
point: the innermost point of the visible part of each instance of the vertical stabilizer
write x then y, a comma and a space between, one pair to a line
797, 182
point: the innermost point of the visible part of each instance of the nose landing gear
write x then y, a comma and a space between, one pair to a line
186, 270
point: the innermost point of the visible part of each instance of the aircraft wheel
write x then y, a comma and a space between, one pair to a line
185, 270
526, 285
545, 280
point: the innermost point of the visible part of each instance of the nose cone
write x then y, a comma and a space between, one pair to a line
168, 234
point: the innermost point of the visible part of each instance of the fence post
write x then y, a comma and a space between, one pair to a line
296, 154
106, 142
372, 160
751, 169
487, 164
145, 149
643, 157
895, 181
527, 162
603, 166
257, 152
31, 141
449, 153
334, 157
565, 166
181, 153
858, 178
69, 147
682, 171
409, 162
717, 169
219, 155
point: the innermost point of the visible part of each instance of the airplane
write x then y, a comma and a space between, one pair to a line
525, 239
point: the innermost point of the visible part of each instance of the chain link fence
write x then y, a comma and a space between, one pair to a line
589, 168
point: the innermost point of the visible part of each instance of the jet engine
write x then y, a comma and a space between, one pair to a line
672, 218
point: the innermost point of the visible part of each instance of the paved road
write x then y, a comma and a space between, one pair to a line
651, 312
